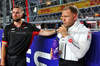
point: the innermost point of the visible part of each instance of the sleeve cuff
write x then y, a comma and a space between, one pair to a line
4, 41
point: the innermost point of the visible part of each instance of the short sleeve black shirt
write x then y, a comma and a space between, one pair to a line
19, 39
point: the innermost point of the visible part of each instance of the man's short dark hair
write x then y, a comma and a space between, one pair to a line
72, 8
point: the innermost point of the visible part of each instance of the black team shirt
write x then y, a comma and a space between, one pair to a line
19, 39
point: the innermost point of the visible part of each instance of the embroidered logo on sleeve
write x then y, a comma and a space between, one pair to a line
70, 40
89, 32
88, 36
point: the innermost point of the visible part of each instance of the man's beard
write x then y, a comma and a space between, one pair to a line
17, 20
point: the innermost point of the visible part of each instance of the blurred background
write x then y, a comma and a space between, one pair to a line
47, 13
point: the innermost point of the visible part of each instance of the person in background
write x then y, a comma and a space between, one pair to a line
75, 39
38, 26
86, 24
98, 22
1, 26
17, 38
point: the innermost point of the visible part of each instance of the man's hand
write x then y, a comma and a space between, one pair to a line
2, 64
51, 53
63, 31
3, 53
59, 52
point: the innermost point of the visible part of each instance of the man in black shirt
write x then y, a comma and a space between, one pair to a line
17, 38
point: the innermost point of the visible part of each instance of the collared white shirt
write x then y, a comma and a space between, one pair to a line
76, 44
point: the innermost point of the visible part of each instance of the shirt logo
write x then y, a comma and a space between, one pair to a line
25, 27
88, 36
13, 29
3, 35
70, 40
89, 32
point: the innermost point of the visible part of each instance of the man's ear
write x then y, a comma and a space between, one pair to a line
23, 15
75, 16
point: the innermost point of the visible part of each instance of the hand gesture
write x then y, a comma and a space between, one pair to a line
62, 30
51, 53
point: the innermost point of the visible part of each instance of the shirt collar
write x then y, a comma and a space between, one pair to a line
72, 28
23, 25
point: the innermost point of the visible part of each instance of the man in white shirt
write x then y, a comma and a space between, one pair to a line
75, 39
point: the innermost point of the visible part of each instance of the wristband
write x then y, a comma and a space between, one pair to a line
55, 31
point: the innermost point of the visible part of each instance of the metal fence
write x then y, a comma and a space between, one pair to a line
49, 11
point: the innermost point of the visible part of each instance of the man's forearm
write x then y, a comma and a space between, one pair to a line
3, 55
47, 32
